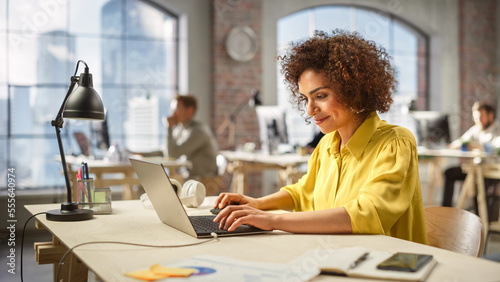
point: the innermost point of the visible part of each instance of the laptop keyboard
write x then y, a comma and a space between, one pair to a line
206, 225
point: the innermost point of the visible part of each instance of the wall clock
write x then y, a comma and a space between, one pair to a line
241, 43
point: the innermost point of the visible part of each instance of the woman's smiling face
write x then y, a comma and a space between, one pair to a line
323, 106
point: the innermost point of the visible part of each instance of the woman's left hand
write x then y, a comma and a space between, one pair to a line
233, 216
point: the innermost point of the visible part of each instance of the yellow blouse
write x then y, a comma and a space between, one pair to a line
376, 180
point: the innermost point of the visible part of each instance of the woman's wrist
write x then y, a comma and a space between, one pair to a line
257, 203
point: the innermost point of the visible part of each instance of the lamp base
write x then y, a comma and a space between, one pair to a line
69, 212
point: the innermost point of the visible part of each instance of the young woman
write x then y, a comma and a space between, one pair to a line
363, 175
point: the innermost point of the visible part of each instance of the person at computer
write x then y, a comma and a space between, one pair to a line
363, 175
189, 137
480, 136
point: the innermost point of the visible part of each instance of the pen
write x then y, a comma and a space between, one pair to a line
82, 168
86, 171
79, 174
81, 188
87, 178
360, 259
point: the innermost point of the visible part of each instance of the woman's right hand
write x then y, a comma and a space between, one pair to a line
226, 199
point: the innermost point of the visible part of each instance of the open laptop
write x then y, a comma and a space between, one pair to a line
169, 208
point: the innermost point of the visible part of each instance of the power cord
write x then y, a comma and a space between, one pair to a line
213, 234
22, 242
61, 262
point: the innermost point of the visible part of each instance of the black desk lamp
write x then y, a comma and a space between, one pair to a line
83, 103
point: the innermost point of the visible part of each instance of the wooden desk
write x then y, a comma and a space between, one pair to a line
474, 187
127, 179
239, 163
130, 222
451, 153
434, 158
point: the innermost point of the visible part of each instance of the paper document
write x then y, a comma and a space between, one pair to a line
217, 268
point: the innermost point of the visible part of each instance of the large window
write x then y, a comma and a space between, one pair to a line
406, 45
130, 47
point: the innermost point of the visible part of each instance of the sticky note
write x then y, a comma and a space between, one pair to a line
146, 275
157, 271
171, 271
100, 197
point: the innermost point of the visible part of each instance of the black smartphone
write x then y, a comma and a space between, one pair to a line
405, 262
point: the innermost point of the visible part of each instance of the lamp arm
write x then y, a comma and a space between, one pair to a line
228, 121
63, 161
237, 110
58, 123
254, 99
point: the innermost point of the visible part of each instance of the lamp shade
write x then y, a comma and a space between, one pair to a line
84, 102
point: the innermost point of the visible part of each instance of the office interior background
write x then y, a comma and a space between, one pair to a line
143, 52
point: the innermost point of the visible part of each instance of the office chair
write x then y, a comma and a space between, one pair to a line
455, 230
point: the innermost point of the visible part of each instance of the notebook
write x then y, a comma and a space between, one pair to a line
347, 262
169, 208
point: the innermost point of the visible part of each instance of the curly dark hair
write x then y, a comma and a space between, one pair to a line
358, 70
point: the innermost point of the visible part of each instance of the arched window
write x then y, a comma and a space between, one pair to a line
406, 45
130, 47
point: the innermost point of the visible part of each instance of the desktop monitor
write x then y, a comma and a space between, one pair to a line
272, 127
433, 129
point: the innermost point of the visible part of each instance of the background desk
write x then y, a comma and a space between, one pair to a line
474, 186
127, 179
130, 222
434, 159
239, 163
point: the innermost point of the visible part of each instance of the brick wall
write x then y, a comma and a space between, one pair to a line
422, 101
234, 81
477, 43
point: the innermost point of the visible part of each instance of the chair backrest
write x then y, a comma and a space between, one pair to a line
454, 229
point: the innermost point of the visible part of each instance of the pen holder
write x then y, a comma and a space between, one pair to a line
101, 200
85, 192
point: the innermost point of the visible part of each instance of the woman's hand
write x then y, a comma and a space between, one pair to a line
233, 216
226, 199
